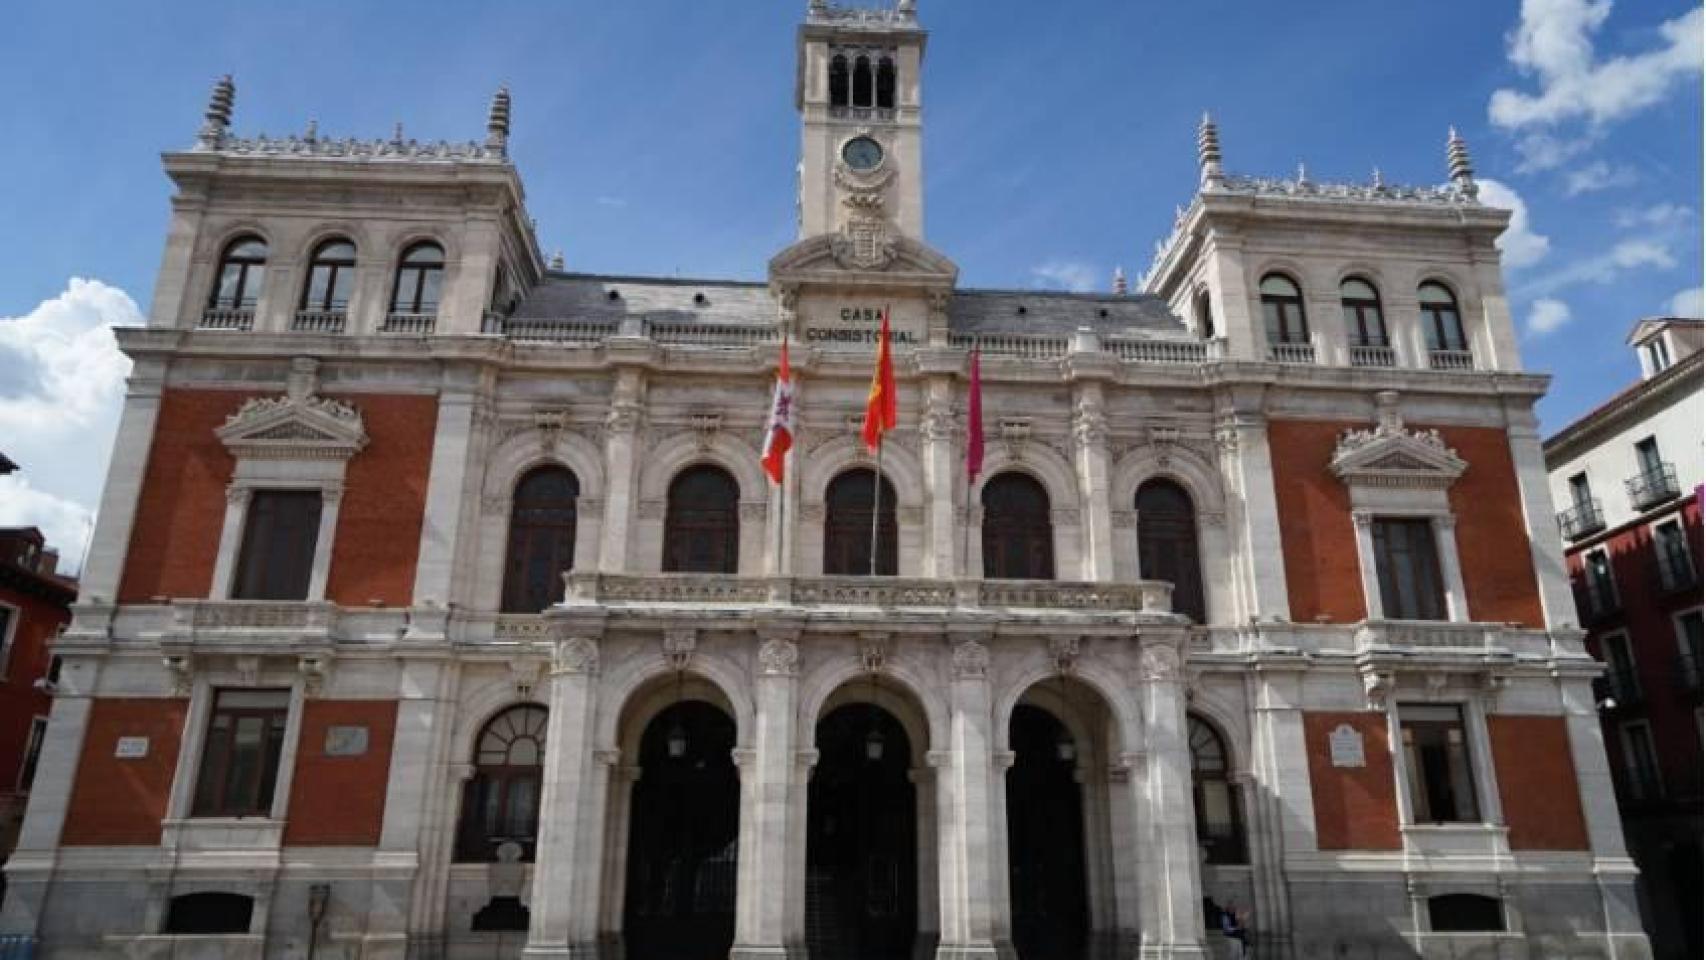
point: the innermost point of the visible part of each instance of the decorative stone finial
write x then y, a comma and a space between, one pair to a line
1208, 150
497, 123
1458, 164
1302, 173
397, 134
557, 260
817, 7
217, 120
907, 8
313, 132
1119, 281
1378, 182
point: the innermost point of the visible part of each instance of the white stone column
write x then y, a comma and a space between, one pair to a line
230, 541
967, 865
1175, 924
622, 423
448, 480
943, 478
929, 900
1374, 605
1450, 570
766, 790
30, 868
1279, 818
110, 542
1545, 546
1242, 433
1126, 851
412, 833
564, 913
1090, 449
1233, 300
794, 893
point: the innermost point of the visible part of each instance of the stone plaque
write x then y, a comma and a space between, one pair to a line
131, 748
346, 741
1346, 745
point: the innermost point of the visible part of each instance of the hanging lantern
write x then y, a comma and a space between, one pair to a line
676, 741
1065, 747
874, 745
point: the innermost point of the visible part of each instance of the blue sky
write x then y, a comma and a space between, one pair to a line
658, 136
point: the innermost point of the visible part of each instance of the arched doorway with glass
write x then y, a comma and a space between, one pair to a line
680, 821
1057, 813
863, 892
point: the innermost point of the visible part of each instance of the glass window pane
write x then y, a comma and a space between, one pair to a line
430, 281
1278, 285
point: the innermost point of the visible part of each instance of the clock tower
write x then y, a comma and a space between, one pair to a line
861, 143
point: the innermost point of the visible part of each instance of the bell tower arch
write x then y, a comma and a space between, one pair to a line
861, 150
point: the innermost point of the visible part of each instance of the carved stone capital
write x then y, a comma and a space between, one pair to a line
1160, 663
678, 647
574, 655
313, 668
873, 651
971, 659
1063, 653
778, 656
180, 673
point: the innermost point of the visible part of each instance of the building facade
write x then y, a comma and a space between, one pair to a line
1628, 476
35, 604
439, 606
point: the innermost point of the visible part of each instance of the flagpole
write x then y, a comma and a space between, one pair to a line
876, 505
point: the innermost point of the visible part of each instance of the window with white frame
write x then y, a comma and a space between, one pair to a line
1438, 764
32, 754
8, 626
1620, 674
1599, 583
276, 559
240, 757
1407, 563
1640, 761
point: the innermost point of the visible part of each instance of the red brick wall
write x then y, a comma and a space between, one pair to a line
1318, 541
117, 801
1537, 782
37, 619
182, 505
340, 800
1355, 808
379, 522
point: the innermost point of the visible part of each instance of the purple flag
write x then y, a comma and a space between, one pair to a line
974, 422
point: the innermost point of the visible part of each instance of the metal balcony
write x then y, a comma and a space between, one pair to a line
1582, 520
1652, 487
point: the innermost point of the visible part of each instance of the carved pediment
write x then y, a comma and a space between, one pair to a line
1391, 455
296, 426
851, 257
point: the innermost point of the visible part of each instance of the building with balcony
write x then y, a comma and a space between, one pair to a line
439, 606
1630, 472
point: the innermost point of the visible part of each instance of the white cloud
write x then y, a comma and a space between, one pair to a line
1626, 255
62, 522
1688, 303
1547, 316
1598, 175
1521, 246
61, 385
1554, 43
1544, 151
1657, 215
1065, 275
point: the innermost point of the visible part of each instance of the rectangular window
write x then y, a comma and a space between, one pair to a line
8, 624
1601, 584
1640, 761
1647, 456
1658, 355
1580, 493
1688, 649
239, 761
279, 536
1436, 757
1407, 562
1676, 568
32, 754
1620, 668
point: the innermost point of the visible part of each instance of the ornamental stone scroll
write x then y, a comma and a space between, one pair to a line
778, 656
971, 659
574, 655
1160, 663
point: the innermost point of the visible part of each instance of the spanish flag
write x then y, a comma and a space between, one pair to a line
879, 405
779, 433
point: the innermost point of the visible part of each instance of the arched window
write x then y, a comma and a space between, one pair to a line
847, 526
1167, 544
1220, 824
1205, 315
1363, 320
885, 84
862, 82
1282, 310
210, 912
1441, 321
331, 274
701, 528
1018, 537
838, 81
420, 275
501, 802
541, 539
242, 269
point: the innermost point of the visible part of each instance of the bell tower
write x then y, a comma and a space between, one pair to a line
861, 131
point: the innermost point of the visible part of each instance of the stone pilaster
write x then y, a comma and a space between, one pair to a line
767, 779
963, 809
1545, 546
564, 907
448, 511
1173, 927
621, 474
104, 568
1279, 800
942, 478
1247, 463
414, 791
1090, 450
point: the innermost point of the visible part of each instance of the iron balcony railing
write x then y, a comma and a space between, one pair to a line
1581, 520
1652, 486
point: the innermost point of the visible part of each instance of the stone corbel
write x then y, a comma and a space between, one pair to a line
678, 647
1490, 687
873, 651
1014, 432
314, 669
778, 653
574, 655
550, 424
1160, 663
180, 673
1063, 653
524, 675
971, 658
1377, 687
249, 671
705, 429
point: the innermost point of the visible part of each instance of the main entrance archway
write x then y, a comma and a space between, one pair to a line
1045, 839
680, 899
861, 839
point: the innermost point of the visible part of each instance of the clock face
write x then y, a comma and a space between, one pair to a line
862, 153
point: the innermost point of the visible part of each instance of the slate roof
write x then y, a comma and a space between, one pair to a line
580, 296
